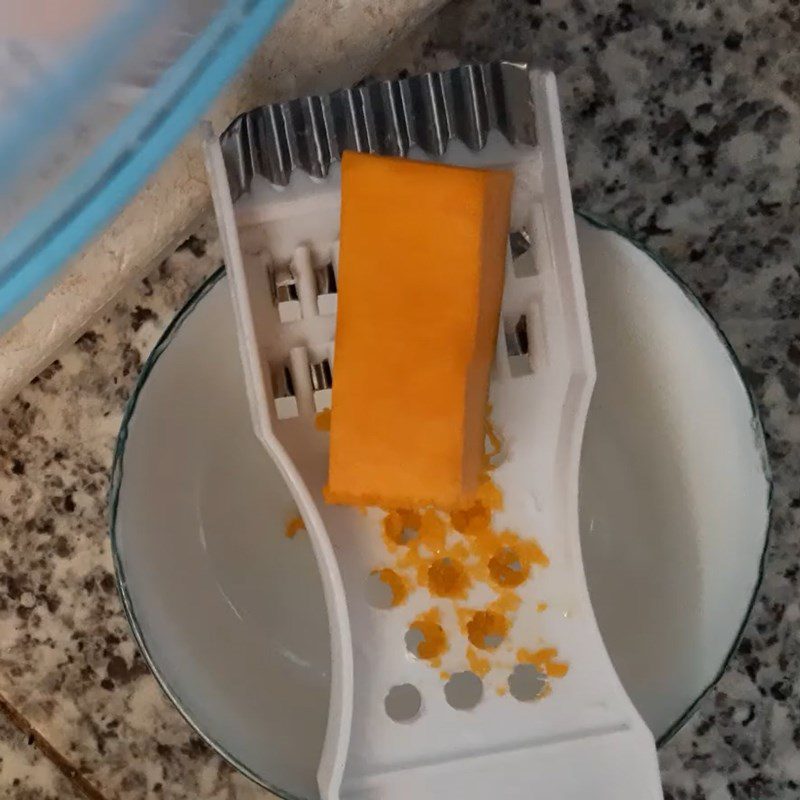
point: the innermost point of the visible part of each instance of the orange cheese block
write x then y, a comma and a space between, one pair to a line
422, 251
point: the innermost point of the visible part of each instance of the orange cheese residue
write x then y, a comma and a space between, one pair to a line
507, 569
432, 532
448, 578
322, 420
449, 552
294, 525
490, 495
464, 615
434, 640
473, 520
544, 660
495, 442
507, 602
478, 664
400, 526
487, 629
510, 563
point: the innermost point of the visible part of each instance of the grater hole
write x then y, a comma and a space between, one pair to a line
285, 297
526, 683
283, 391
487, 630
408, 535
520, 242
385, 589
518, 344
402, 527
506, 568
463, 691
414, 638
522, 260
325, 278
403, 703
426, 639
448, 578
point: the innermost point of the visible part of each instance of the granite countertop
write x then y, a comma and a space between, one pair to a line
683, 126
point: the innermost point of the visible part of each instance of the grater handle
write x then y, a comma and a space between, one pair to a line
620, 764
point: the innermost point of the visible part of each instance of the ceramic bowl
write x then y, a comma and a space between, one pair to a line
229, 613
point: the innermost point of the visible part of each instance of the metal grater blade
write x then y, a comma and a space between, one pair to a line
388, 118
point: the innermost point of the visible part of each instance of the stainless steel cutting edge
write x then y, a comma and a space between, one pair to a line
387, 118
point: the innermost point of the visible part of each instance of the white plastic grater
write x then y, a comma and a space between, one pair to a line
584, 740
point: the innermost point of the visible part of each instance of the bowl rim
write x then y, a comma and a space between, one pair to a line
117, 475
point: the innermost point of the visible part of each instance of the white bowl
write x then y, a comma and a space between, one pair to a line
229, 612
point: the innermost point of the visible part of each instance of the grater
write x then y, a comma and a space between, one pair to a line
394, 730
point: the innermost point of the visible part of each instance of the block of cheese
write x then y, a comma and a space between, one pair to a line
421, 260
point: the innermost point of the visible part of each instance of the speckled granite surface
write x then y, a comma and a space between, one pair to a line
25, 772
68, 664
683, 126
